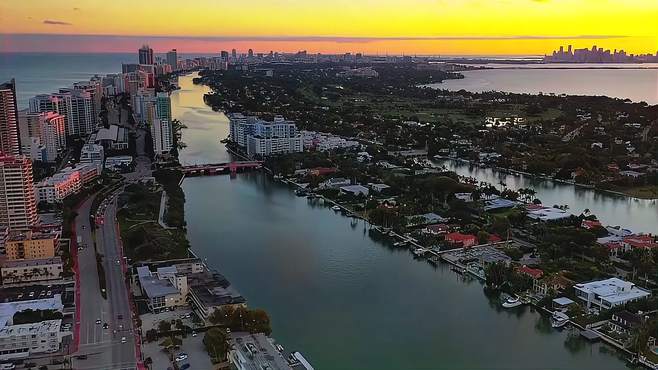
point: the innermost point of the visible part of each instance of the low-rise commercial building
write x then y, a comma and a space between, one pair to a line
57, 187
164, 289
210, 291
22, 271
609, 293
31, 245
92, 153
26, 340
66, 182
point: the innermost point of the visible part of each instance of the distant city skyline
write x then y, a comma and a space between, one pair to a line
326, 45
468, 27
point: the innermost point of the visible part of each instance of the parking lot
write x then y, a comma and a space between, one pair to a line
197, 357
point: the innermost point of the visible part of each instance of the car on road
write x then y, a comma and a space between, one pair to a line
105, 326
98, 321
7, 366
194, 334
123, 340
120, 317
181, 357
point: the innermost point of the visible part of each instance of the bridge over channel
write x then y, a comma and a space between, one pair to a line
211, 169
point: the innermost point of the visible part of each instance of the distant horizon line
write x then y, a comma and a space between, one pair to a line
368, 45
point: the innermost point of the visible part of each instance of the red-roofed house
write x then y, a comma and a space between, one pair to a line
534, 207
639, 241
590, 224
321, 171
533, 273
464, 240
614, 248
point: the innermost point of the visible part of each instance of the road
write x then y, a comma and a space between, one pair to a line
103, 347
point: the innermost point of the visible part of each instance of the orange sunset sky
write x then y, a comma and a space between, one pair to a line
457, 27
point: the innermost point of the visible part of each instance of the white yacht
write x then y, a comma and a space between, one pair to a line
559, 319
512, 302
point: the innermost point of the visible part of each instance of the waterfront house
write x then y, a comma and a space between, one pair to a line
551, 283
378, 187
355, 190
641, 241
533, 273
437, 229
624, 322
462, 240
334, 183
609, 293
425, 219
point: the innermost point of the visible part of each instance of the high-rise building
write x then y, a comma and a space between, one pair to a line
79, 106
18, 207
43, 135
234, 54
80, 109
9, 142
250, 53
48, 103
146, 55
161, 133
172, 59
163, 106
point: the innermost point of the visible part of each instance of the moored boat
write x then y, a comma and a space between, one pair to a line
559, 319
512, 302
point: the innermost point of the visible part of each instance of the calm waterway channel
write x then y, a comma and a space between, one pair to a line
339, 296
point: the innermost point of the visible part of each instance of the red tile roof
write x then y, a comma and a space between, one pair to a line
640, 241
533, 273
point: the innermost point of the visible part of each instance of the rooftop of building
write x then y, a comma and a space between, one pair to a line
259, 352
213, 289
32, 235
9, 309
613, 290
153, 286
39, 329
30, 263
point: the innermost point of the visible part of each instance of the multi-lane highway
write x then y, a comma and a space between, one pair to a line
101, 346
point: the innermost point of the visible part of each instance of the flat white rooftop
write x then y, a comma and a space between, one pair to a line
613, 290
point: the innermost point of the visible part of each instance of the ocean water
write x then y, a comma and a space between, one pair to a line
40, 73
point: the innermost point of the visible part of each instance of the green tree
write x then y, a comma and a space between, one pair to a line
164, 326
216, 342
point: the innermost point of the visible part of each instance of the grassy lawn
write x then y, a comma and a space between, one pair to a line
143, 237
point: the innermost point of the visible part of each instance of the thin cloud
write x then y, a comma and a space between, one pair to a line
56, 23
